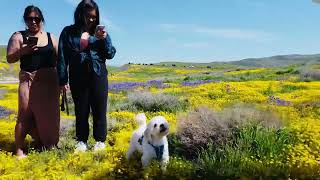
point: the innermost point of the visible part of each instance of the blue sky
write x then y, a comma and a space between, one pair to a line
187, 30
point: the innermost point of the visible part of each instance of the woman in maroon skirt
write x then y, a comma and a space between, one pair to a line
38, 112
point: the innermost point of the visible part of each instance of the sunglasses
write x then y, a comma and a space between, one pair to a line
35, 19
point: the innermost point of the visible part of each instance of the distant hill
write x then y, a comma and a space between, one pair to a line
199, 65
273, 61
276, 61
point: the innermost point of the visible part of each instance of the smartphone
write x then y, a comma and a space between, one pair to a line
32, 41
100, 28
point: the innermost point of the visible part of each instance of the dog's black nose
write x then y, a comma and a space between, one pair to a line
163, 127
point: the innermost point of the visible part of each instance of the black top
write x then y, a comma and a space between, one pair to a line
44, 57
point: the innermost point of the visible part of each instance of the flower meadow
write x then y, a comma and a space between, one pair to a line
224, 122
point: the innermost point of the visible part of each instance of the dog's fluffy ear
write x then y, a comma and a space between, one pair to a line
147, 133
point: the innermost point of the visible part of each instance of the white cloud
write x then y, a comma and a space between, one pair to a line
229, 33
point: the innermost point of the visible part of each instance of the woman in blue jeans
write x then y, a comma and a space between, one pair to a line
83, 51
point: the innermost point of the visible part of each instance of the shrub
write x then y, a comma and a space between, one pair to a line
240, 115
308, 73
195, 129
257, 151
312, 74
187, 78
290, 70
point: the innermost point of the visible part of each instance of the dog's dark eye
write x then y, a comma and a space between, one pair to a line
155, 125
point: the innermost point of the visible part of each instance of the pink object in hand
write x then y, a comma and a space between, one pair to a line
84, 44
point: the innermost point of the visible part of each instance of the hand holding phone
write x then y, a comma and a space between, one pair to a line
32, 41
30, 46
100, 32
100, 28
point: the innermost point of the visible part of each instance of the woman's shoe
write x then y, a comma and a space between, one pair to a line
20, 155
81, 147
99, 146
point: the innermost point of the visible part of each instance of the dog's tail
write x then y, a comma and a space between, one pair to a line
141, 119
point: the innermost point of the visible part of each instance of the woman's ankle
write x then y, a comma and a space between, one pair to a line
19, 152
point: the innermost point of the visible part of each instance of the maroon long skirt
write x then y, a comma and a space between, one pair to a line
38, 111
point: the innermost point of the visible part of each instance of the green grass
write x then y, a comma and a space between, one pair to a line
291, 88
3, 51
149, 74
113, 68
241, 156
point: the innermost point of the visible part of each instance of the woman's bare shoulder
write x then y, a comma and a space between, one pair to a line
16, 36
15, 40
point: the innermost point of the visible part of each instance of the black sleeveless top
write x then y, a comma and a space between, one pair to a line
44, 57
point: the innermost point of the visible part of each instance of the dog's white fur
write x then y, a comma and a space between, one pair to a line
154, 133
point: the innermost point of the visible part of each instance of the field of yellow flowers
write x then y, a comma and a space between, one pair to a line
247, 122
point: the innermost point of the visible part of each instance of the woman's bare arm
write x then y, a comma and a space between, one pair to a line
14, 46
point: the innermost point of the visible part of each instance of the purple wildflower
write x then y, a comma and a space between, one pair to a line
4, 112
123, 86
124, 68
156, 83
278, 101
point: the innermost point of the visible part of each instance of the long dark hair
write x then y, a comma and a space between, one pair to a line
30, 9
80, 14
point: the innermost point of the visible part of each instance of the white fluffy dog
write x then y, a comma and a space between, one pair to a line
150, 140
